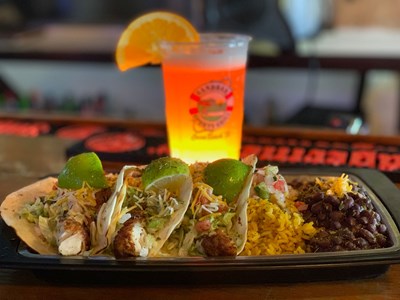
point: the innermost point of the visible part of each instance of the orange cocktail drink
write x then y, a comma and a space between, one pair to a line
204, 91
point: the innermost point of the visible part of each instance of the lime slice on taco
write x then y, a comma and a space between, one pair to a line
164, 172
227, 177
82, 168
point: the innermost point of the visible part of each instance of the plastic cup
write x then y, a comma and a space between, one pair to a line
204, 86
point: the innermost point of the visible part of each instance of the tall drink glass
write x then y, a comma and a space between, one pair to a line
204, 90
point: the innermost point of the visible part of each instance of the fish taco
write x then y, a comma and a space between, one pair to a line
57, 215
150, 202
215, 223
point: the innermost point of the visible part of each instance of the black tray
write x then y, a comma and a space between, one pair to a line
280, 268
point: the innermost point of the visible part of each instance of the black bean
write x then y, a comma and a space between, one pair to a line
374, 222
338, 248
351, 221
363, 220
317, 197
337, 225
321, 216
369, 205
367, 235
381, 228
361, 242
323, 243
357, 227
336, 215
359, 200
347, 233
316, 208
371, 228
348, 202
377, 217
366, 214
337, 240
328, 207
349, 245
332, 200
355, 210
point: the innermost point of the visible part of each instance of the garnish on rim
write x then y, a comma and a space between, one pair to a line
138, 44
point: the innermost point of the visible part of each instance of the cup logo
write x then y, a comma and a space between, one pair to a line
211, 105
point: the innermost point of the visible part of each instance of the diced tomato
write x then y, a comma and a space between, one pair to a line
223, 207
203, 226
279, 185
202, 199
300, 205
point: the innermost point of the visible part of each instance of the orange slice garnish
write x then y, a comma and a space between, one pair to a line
139, 42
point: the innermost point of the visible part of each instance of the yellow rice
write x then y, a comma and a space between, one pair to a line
272, 230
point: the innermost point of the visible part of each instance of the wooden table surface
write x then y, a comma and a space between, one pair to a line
23, 160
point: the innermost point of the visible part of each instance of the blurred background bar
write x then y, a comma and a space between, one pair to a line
314, 63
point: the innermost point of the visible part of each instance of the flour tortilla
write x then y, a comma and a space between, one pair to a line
12, 206
240, 222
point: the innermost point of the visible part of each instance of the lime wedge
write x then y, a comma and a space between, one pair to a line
165, 172
84, 167
227, 177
